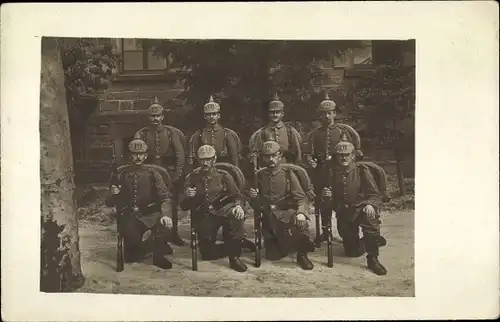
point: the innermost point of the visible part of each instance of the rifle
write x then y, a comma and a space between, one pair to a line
317, 217
329, 208
257, 214
119, 248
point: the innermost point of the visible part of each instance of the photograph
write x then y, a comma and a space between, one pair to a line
227, 167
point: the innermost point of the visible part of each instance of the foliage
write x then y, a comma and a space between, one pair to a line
383, 99
87, 64
244, 75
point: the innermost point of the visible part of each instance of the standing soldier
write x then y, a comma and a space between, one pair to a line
144, 202
225, 141
285, 135
284, 207
321, 143
168, 152
355, 197
205, 190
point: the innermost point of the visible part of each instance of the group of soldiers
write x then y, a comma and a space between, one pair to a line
340, 185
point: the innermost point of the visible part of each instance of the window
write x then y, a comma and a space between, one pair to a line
138, 57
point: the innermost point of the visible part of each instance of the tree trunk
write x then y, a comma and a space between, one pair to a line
60, 255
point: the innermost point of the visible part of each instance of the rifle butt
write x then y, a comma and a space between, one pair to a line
318, 222
330, 248
258, 239
119, 255
194, 251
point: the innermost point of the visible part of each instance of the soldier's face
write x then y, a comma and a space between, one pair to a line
271, 160
156, 119
276, 116
345, 159
207, 164
327, 117
212, 118
138, 158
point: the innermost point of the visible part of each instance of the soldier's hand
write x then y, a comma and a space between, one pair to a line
327, 193
166, 221
300, 221
115, 190
370, 211
253, 193
313, 164
238, 212
191, 192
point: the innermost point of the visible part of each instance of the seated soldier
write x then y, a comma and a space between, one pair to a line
144, 202
284, 207
356, 200
215, 201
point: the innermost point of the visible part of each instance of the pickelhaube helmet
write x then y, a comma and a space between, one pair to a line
211, 106
276, 104
155, 108
344, 146
326, 105
206, 152
270, 147
138, 146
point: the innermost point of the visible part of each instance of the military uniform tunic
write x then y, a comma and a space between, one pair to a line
289, 142
322, 144
225, 145
140, 188
281, 198
353, 188
209, 186
165, 149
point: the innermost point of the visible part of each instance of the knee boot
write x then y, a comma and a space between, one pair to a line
234, 251
161, 248
372, 247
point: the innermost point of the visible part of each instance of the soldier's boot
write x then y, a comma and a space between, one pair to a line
159, 252
234, 257
272, 250
210, 251
354, 246
381, 241
372, 247
174, 236
304, 261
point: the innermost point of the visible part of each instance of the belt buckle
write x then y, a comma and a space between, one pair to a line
272, 207
135, 209
328, 158
210, 207
157, 157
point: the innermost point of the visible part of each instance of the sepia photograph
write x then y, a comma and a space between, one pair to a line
227, 168
249, 161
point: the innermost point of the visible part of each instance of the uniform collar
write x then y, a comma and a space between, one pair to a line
332, 126
158, 128
275, 170
279, 125
209, 174
214, 128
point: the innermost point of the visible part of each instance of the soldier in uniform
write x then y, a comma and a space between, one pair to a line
285, 135
167, 151
225, 142
322, 142
355, 197
144, 202
284, 207
207, 188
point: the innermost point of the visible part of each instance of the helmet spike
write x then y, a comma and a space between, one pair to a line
156, 101
211, 99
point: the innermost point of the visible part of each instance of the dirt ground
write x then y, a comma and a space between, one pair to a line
348, 277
